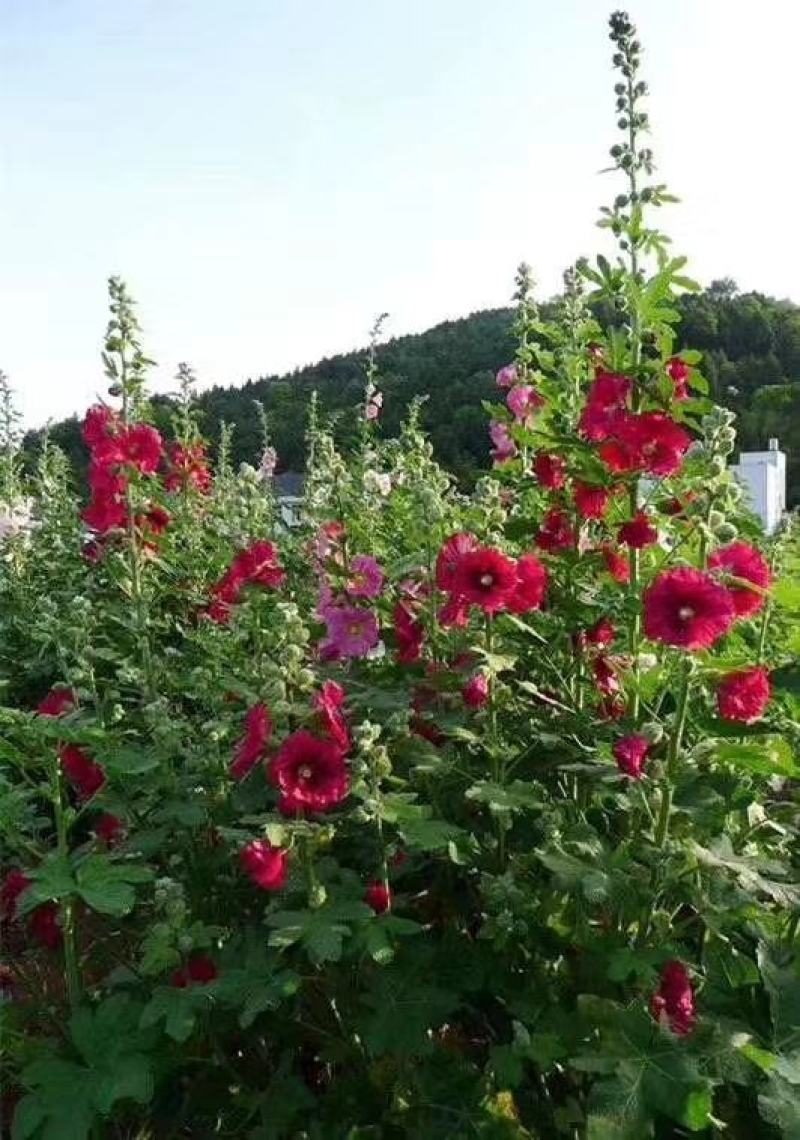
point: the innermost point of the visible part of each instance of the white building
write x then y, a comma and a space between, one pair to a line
763, 475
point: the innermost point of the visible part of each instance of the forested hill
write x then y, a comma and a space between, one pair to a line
752, 360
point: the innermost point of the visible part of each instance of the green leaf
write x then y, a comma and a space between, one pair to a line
401, 1015
52, 880
764, 755
128, 761
505, 799
321, 932
780, 1106
177, 1008
416, 824
107, 887
29, 1114
255, 991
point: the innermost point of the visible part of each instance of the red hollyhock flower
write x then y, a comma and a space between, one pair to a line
98, 424
607, 400
687, 608
617, 565
449, 557
258, 565
264, 864
612, 707
550, 471
744, 695
378, 896
109, 828
592, 502
201, 969
13, 885
630, 753
107, 509
310, 774
409, 632
650, 442
531, 585
57, 702
140, 446
329, 705
679, 372
427, 730
601, 634
454, 613
252, 746
86, 777
45, 925
476, 691
485, 578
740, 560
638, 532
556, 532
605, 674
188, 468
156, 520
673, 1002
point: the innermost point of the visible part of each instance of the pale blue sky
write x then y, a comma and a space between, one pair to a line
269, 174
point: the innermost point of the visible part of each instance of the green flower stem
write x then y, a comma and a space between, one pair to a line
498, 768
67, 912
667, 787
636, 624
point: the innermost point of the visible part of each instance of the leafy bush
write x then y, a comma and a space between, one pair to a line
437, 815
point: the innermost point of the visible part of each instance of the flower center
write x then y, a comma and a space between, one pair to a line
686, 613
487, 579
354, 629
304, 772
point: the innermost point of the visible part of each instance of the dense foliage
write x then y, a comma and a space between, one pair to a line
440, 815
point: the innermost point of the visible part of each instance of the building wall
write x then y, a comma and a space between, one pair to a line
763, 476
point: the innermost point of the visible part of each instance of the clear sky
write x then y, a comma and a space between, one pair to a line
268, 175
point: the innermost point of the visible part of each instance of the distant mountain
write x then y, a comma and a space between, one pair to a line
751, 344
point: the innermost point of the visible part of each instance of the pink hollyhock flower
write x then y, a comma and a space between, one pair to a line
504, 446
607, 401
556, 532
109, 828
310, 774
507, 376
366, 577
591, 502
450, 555
638, 532
742, 561
374, 405
14, 884
378, 896
531, 586
744, 695
86, 777
352, 631
409, 632
673, 1002
687, 608
45, 925
679, 372
57, 702
523, 400
253, 745
476, 691
550, 471
329, 706
265, 865
485, 578
328, 540
616, 564
630, 753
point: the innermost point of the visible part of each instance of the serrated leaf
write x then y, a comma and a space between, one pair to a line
51, 880
505, 799
108, 887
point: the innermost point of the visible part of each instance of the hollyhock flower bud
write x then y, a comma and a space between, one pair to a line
378, 896
507, 376
679, 372
744, 695
673, 1002
617, 565
504, 446
630, 753
265, 865
639, 532
57, 702
687, 608
556, 532
476, 691
86, 777
329, 705
109, 828
602, 634
201, 969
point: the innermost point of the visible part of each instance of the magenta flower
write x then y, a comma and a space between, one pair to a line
374, 405
352, 631
504, 446
366, 577
507, 376
523, 401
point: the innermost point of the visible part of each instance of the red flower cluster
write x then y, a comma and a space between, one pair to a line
746, 564
86, 776
606, 405
253, 745
591, 501
556, 532
257, 565
481, 576
673, 1001
638, 532
630, 753
310, 773
744, 695
650, 442
199, 970
265, 865
687, 608
115, 449
188, 467
550, 471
